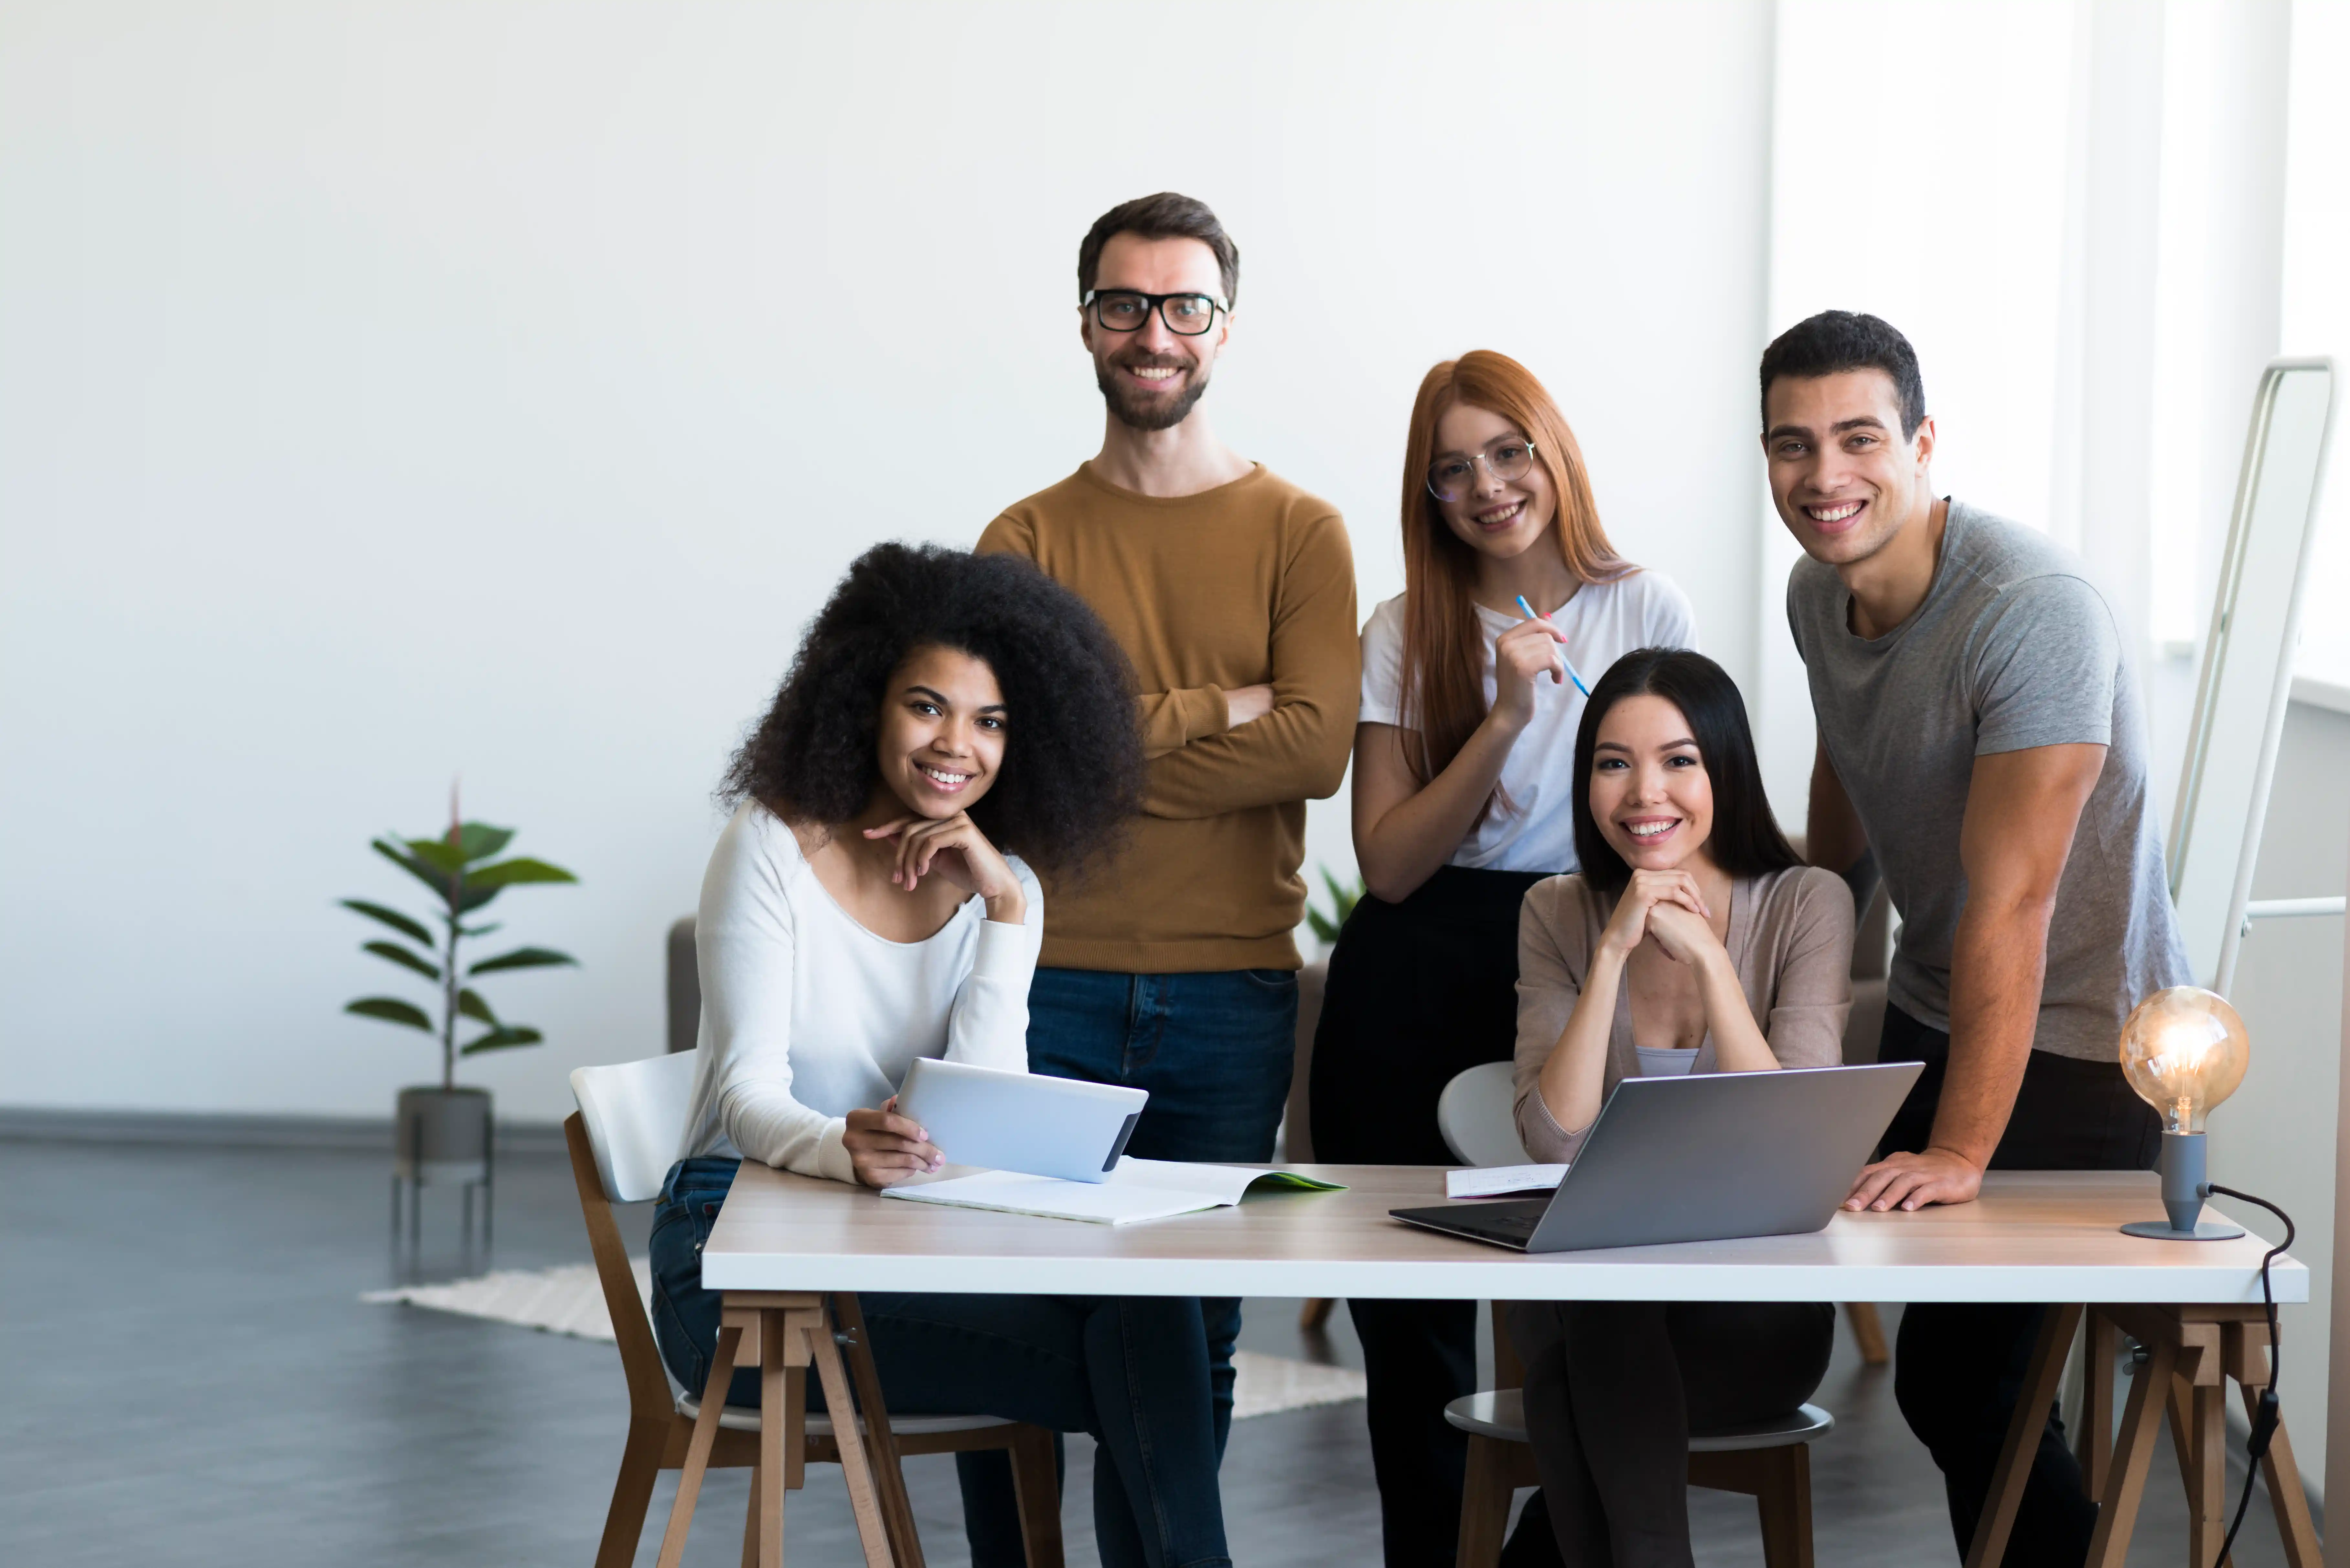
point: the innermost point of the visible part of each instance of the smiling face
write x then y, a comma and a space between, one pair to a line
1496, 518
1650, 794
1844, 478
1151, 378
942, 735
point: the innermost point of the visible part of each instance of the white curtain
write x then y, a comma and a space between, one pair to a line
2082, 215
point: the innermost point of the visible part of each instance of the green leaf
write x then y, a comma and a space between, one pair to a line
1343, 899
479, 840
392, 918
391, 1010
391, 849
480, 930
470, 1004
522, 869
523, 958
439, 854
502, 1038
405, 959
473, 897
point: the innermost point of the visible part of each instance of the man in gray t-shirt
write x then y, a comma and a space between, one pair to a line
2011, 650
1978, 735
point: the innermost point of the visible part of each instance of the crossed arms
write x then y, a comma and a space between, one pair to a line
1213, 750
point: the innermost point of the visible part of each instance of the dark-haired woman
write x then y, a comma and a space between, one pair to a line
1692, 941
1461, 804
948, 719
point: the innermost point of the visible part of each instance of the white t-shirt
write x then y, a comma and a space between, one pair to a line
806, 1016
1603, 622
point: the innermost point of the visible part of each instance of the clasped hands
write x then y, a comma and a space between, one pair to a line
1665, 906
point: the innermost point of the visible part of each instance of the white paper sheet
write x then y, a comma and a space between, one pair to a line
1138, 1189
1493, 1180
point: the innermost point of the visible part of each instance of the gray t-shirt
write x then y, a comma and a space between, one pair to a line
2012, 648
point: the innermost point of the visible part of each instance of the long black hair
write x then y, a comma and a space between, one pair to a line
1073, 766
1746, 840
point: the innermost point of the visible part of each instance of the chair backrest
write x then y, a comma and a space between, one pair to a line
1474, 1115
635, 1117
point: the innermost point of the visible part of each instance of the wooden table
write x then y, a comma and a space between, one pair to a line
2031, 1237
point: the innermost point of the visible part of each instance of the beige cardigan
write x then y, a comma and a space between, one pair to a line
1790, 941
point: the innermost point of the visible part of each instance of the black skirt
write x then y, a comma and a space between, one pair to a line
1419, 992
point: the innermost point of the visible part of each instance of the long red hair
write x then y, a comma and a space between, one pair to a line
1444, 687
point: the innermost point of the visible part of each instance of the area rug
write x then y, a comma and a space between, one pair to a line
571, 1301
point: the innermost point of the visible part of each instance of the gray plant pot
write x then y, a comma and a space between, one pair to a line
441, 1136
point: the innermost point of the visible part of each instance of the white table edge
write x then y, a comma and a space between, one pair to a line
1505, 1277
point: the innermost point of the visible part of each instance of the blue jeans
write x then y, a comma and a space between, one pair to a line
1132, 1372
1214, 1050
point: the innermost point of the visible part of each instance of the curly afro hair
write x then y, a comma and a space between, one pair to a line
1073, 767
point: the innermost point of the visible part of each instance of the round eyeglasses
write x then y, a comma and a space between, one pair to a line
1451, 478
1127, 310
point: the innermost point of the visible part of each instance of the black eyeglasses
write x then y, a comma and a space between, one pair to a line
1125, 310
1507, 460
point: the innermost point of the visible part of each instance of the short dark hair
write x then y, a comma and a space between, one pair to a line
1746, 840
1835, 341
1166, 216
1073, 767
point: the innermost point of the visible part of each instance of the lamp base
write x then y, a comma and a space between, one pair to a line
2162, 1231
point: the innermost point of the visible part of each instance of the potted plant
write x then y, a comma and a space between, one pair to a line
1344, 896
442, 1133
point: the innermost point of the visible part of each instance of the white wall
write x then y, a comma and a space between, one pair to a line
2275, 1134
1951, 225
396, 389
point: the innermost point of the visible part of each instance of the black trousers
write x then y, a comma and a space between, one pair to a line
1959, 1368
1419, 990
1614, 1390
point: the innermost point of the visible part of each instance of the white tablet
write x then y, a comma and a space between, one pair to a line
1021, 1121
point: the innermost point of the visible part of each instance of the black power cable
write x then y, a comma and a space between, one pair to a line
2265, 1418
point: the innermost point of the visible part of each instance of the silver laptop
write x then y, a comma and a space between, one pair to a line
1701, 1159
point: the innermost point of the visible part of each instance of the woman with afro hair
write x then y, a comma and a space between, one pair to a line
949, 721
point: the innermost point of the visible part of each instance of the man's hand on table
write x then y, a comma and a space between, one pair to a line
1914, 1180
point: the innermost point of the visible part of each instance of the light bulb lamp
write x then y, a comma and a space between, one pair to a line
2183, 1050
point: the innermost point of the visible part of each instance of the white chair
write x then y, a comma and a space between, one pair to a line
623, 1139
1475, 1116
1770, 1462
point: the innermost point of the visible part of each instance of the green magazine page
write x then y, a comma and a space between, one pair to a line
1290, 1180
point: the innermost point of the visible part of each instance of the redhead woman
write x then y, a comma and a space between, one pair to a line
1461, 790
1692, 941
950, 720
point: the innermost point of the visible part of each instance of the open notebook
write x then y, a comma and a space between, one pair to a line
1138, 1189
1503, 1180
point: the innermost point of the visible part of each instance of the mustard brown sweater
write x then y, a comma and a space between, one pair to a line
1250, 583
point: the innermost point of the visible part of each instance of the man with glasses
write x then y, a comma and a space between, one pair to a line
1173, 968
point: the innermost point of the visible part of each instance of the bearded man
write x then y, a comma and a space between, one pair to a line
1173, 968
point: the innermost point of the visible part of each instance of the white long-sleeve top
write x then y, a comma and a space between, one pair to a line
806, 1016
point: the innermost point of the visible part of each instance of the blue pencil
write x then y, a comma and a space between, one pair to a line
1563, 659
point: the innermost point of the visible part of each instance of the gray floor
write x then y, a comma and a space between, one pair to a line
191, 1379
